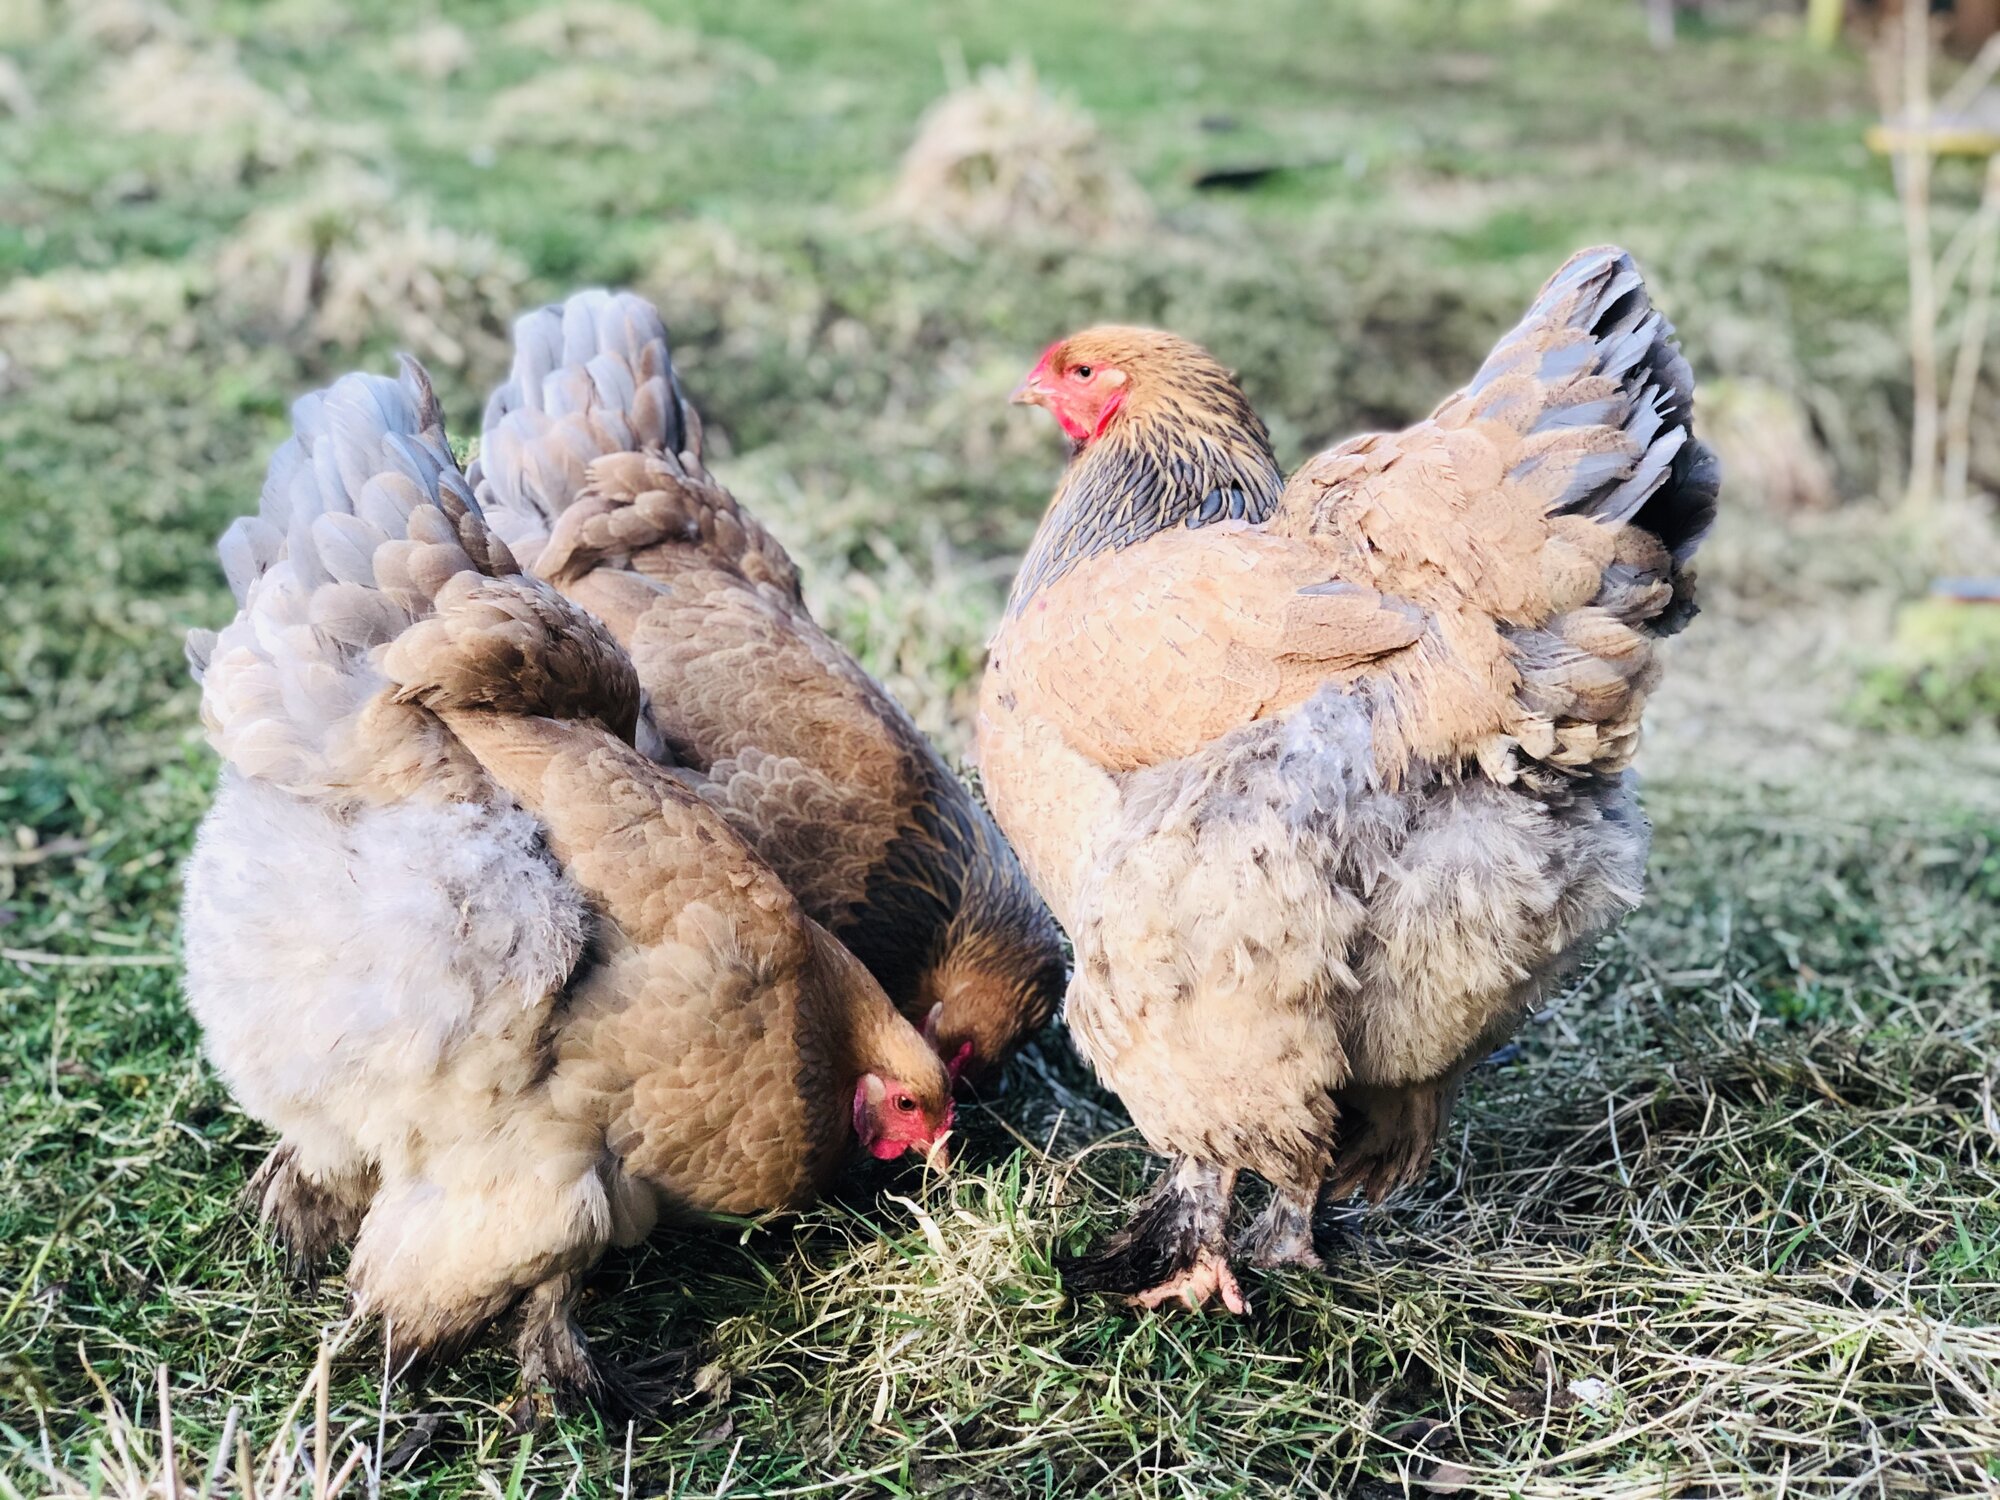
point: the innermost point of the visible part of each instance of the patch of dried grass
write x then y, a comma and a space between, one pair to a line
1796, 610
1001, 155
125, 25
72, 316
620, 72
1769, 453
591, 105
1661, 1268
433, 50
351, 260
135, 1455
168, 87
608, 31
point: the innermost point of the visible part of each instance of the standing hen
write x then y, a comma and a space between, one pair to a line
1328, 779
591, 469
507, 989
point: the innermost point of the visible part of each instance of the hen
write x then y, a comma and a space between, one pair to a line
591, 469
508, 991
1328, 779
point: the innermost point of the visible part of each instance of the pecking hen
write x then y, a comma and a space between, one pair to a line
1328, 779
506, 989
591, 468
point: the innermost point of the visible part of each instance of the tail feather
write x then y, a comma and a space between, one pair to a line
592, 453
364, 528
1605, 399
1594, 380
591, 376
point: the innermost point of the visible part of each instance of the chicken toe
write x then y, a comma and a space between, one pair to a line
1192, 1288
1177, 1230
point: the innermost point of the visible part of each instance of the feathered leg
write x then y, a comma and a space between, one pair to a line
555, 1357
1282, 1235
1388, 1136
1174, 1247
308, 1213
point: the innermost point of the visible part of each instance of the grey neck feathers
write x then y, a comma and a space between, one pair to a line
1143, 478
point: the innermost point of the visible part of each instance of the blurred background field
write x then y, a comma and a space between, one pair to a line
1726, 1224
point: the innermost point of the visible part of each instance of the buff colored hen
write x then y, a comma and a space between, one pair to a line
507, 990
1328, 780
591, 468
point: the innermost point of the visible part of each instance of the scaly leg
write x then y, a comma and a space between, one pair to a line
1173, 1248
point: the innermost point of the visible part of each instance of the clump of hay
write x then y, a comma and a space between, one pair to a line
124, 25
732, 300
619, 72
72, 316
607, 31
435, 51
590, 105
348, 262
1770, 456
169, 88
1002, 154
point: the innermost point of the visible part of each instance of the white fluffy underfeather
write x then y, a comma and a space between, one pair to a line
339, 956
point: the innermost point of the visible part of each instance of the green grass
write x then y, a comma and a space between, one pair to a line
1725, 1226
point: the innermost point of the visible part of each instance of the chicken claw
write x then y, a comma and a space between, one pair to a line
1194, 1287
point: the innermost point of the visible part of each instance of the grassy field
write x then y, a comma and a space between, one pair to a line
1727, 1223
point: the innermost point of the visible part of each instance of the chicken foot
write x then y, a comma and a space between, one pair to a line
1172, 1249
553, 1352
559, 1369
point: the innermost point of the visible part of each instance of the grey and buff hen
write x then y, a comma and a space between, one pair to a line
1328, 779
506, 989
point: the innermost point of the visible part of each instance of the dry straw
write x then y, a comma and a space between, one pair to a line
1000, 154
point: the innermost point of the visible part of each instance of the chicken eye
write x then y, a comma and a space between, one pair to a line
1082, 372
906, 1104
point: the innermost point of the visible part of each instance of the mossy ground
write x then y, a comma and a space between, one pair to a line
1726, 1223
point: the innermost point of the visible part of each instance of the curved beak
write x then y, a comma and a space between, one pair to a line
1030, 392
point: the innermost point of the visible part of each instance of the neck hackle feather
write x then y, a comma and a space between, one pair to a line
1185, 449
